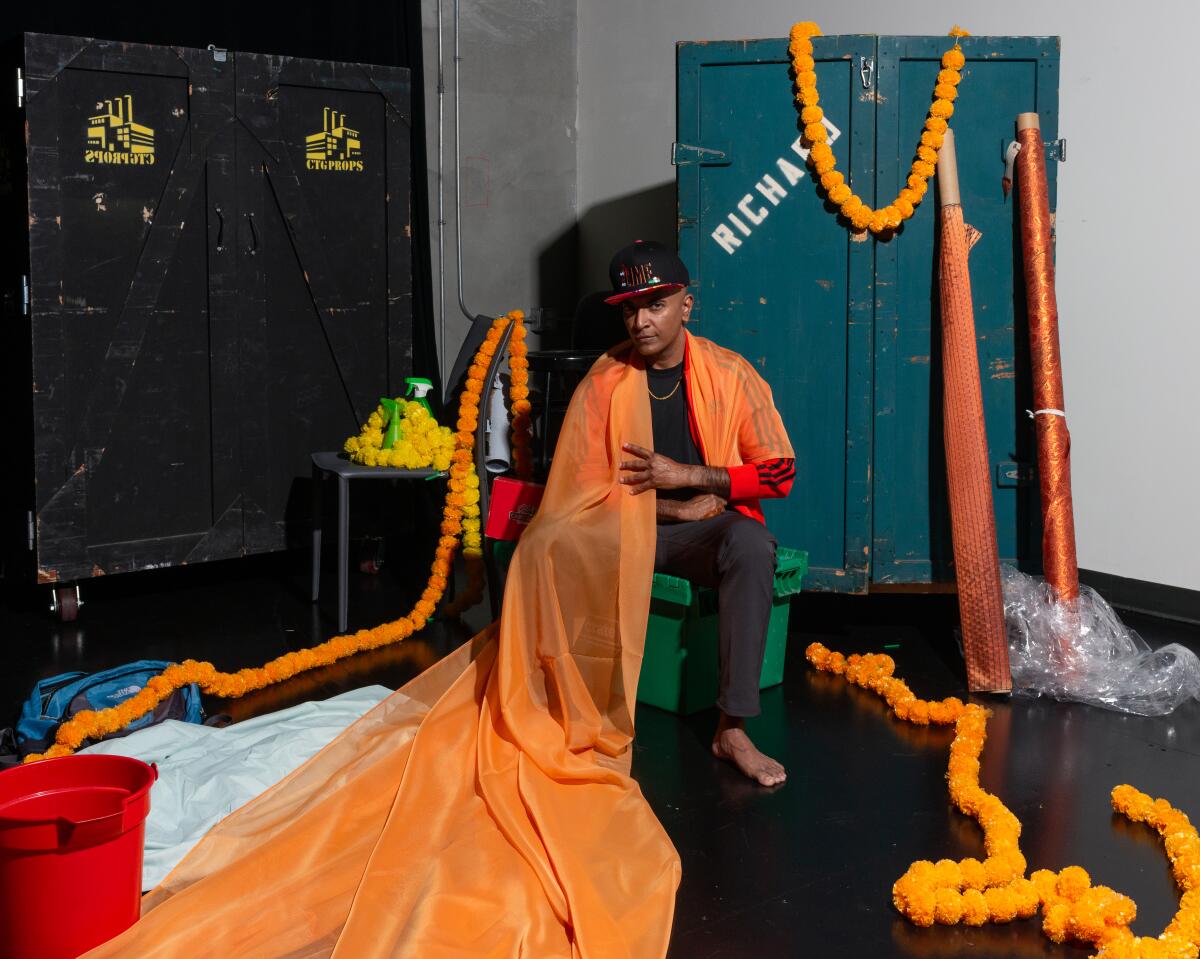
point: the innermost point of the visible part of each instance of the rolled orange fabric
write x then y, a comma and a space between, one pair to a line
486, 808
972, 519
1053, 438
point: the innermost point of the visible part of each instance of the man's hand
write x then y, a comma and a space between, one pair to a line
704, 506
649, 470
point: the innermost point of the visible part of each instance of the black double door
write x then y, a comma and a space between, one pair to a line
220, 284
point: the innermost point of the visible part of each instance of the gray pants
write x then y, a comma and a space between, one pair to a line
735, 555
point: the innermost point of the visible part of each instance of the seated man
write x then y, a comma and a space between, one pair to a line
710, 526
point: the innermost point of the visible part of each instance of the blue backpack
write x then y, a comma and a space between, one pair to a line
55, 700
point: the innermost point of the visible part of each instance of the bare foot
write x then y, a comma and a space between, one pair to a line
733, 745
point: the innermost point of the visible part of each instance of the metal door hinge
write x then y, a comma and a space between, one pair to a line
1057, 150
685, 154
866, 70
20, 88
30, 527
219, 53
24, 295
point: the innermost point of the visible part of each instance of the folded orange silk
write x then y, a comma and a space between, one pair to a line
485, 809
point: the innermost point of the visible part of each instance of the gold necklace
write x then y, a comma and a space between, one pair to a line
669, 395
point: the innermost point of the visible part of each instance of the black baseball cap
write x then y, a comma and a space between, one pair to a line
642, 267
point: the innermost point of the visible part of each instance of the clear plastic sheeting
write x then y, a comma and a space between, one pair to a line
1082, 652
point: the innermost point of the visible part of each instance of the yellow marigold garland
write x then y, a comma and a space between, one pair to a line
821, 157
460, 521
996, 890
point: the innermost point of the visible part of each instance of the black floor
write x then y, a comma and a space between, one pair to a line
802, 870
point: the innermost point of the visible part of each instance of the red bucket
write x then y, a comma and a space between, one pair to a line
72, 832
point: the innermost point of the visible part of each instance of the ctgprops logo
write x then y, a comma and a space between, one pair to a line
113, 138
336, 147
523, 514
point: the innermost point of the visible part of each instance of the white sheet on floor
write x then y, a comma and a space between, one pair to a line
205, 773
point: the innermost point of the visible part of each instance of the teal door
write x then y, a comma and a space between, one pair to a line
778, 280
845, 328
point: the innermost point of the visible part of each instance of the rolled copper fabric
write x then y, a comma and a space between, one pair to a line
1050, 423
972, 518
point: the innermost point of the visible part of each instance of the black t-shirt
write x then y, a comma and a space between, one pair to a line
672, 432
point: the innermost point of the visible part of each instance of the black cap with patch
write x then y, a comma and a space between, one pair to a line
644, 266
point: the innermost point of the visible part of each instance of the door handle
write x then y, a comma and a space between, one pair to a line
253, 235
220, 228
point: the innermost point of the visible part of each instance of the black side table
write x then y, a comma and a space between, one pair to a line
339, 465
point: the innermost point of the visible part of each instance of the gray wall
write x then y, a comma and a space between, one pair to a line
1126, 290
518, 74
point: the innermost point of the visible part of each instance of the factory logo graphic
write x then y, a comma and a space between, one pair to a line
336, 147
113, 138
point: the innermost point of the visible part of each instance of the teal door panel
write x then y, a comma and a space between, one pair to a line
777, 279
1003, 76
846, 328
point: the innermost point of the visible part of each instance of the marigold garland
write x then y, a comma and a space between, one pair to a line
423, 441
996, 890
460, 522
821, 157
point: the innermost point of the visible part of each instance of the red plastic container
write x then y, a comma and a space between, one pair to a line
72, 832
513, 504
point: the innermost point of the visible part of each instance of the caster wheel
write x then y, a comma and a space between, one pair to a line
65, 603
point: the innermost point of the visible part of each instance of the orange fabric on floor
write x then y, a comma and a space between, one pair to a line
485, 809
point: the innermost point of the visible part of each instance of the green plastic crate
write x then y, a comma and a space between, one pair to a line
680, 662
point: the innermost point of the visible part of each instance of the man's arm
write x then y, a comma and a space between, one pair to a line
650, 470
704, 506
708, 479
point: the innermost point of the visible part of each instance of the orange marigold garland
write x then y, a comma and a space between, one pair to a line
996, 890
460, 522
821, 157
519, 412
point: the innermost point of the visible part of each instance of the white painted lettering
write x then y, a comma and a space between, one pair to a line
739, 224
726, 238
754, 216
770, 190
792, 173
769, 187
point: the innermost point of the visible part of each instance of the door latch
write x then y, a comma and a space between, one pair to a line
1057, 150
20, 88
687, 154
866, 70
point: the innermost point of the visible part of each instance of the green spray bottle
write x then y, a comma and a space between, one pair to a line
418, 389
392, 433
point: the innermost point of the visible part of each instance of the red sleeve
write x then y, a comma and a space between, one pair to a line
743, 481
770, 479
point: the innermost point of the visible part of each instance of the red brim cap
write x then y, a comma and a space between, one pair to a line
629, 294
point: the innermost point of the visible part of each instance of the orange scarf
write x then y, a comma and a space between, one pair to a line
485, 809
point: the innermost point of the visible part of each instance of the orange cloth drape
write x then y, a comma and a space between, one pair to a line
485, 809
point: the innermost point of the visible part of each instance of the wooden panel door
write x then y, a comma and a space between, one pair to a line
324, 290
129, 147
221, 285
1003, 76
780, 280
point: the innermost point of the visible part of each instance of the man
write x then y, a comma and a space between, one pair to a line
710, 528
